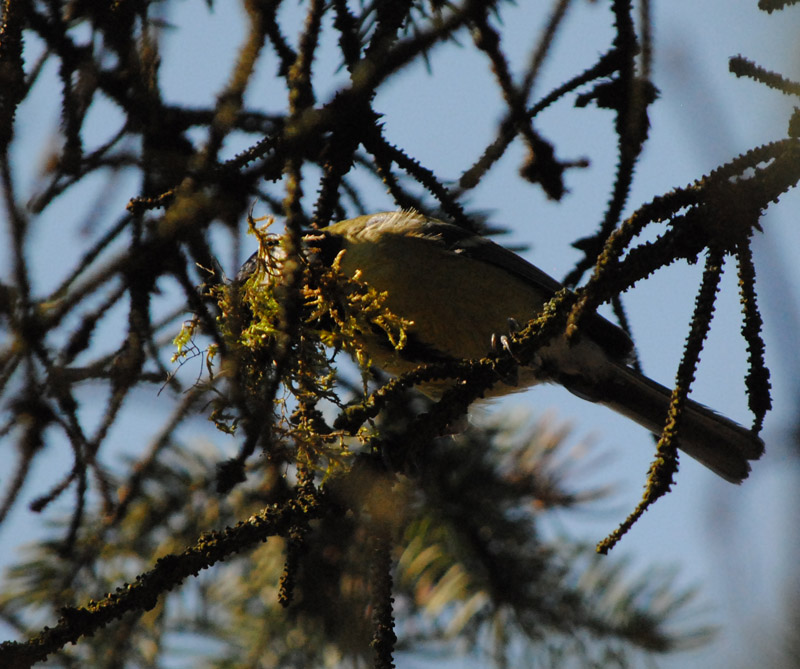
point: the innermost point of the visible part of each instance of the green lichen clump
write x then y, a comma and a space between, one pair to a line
281, 330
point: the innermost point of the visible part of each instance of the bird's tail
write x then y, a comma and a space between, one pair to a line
722, 445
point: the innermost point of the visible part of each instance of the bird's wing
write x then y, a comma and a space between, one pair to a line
471, 245
613, 339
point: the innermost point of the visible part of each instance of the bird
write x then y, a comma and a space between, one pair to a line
458, 290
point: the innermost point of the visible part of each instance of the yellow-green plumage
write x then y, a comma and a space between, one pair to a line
417, 273
459, 289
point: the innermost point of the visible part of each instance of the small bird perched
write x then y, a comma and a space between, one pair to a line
459, 290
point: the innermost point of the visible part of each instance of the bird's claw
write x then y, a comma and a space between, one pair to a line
502, 343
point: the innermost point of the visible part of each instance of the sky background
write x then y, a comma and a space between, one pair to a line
739, 544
